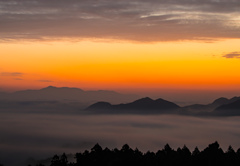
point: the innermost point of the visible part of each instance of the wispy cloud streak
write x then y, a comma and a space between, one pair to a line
124, 20
12, 74
44, 80
232, 55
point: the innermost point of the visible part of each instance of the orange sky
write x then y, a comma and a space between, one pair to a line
128, 46
120, 65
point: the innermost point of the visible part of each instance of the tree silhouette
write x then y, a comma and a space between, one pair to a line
231, 156
97, 148
62, 161
125, 148
55, 161
167, 149
196, 151
212, 155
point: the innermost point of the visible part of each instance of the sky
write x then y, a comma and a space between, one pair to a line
137, 46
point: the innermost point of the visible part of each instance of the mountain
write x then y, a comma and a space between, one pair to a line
66, 94
64, 98
231, 109
200, 108
144, 105
221, 101
100, 106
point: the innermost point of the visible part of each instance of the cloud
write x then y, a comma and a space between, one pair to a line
44, 80
44, 134
232, 55
12, 74
138, 20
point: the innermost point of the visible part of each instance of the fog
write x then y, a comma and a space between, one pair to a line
41, 135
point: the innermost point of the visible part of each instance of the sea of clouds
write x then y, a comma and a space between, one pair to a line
41, 134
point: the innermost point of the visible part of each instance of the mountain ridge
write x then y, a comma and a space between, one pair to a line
209, 107
148, 105
232, 108
109, 100
143, 105
52, 93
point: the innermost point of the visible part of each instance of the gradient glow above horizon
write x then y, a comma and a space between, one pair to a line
128, 46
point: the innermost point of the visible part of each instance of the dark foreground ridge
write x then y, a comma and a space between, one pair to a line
213, 155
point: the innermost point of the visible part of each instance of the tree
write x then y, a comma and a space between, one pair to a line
196, 151
125, 148
231, 156
63, 160
213, 155
167, 148
186, 151
55, 161
230, 150
97, 148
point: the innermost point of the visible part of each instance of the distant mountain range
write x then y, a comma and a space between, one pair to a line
198, 108
66, 94
221, 106
144, 105
232, 109
64, 98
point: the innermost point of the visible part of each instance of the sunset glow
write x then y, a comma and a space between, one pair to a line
126, 47
117, 65
127, 82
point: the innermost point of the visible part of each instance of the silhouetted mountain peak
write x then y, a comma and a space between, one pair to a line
160, 100
100, 105
228, 108
220, 101
234, 99
146, 104
110, 91
144, 100
50, 88
210, 107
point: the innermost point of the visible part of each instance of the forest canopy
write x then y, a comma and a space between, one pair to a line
212, 155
